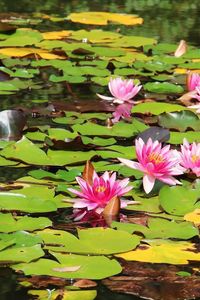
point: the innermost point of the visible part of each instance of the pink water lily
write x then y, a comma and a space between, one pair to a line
96, 196
190, 157
121, 90
193, 81
156, 163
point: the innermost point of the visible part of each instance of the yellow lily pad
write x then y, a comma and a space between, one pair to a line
56, 35
21, 52
102, 18
163, 251
193, 216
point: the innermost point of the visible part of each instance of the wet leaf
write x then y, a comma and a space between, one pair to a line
155, 133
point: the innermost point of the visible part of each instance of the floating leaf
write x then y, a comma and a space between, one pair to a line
21, 52
193, 217
178, 200
163, 251
89, 266
92, 240
163, 87
24, 150
66, 295
161, 228
181, 121
23, 254
102, 18
9, 224
156, 108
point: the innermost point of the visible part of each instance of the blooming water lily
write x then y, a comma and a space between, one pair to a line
95, 196
156, 163
190, 157
122, 91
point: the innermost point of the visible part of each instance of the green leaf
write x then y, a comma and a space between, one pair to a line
181, 121
178, 200
93, 241
156, 108
89, 266
23, 254
163, 87
24, 150
177, 137
119, 129
161, 228
9, 224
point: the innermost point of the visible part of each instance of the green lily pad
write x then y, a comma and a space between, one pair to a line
23, 254
178, 200
92, 241
9, 224
89, 266
163, 88
181, 121
156, 108
24, 150
119, 129
160, 228
177, 137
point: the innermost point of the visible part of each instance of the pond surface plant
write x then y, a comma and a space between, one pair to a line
99, 153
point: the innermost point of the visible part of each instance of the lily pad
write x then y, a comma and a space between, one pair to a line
163, 88
181, 121
179, 200
89, 266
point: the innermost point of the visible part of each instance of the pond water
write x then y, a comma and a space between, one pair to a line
44, 103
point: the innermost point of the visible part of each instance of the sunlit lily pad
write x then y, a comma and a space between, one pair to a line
163, 87
93, 241
89, 266
9, 224
66, 295
161, 228
102, 18
163, 251
179, 200
23, 254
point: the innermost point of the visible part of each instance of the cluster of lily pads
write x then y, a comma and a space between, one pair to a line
52, 152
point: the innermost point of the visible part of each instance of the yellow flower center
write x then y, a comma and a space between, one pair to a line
100, 189
194, 158
155, 157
